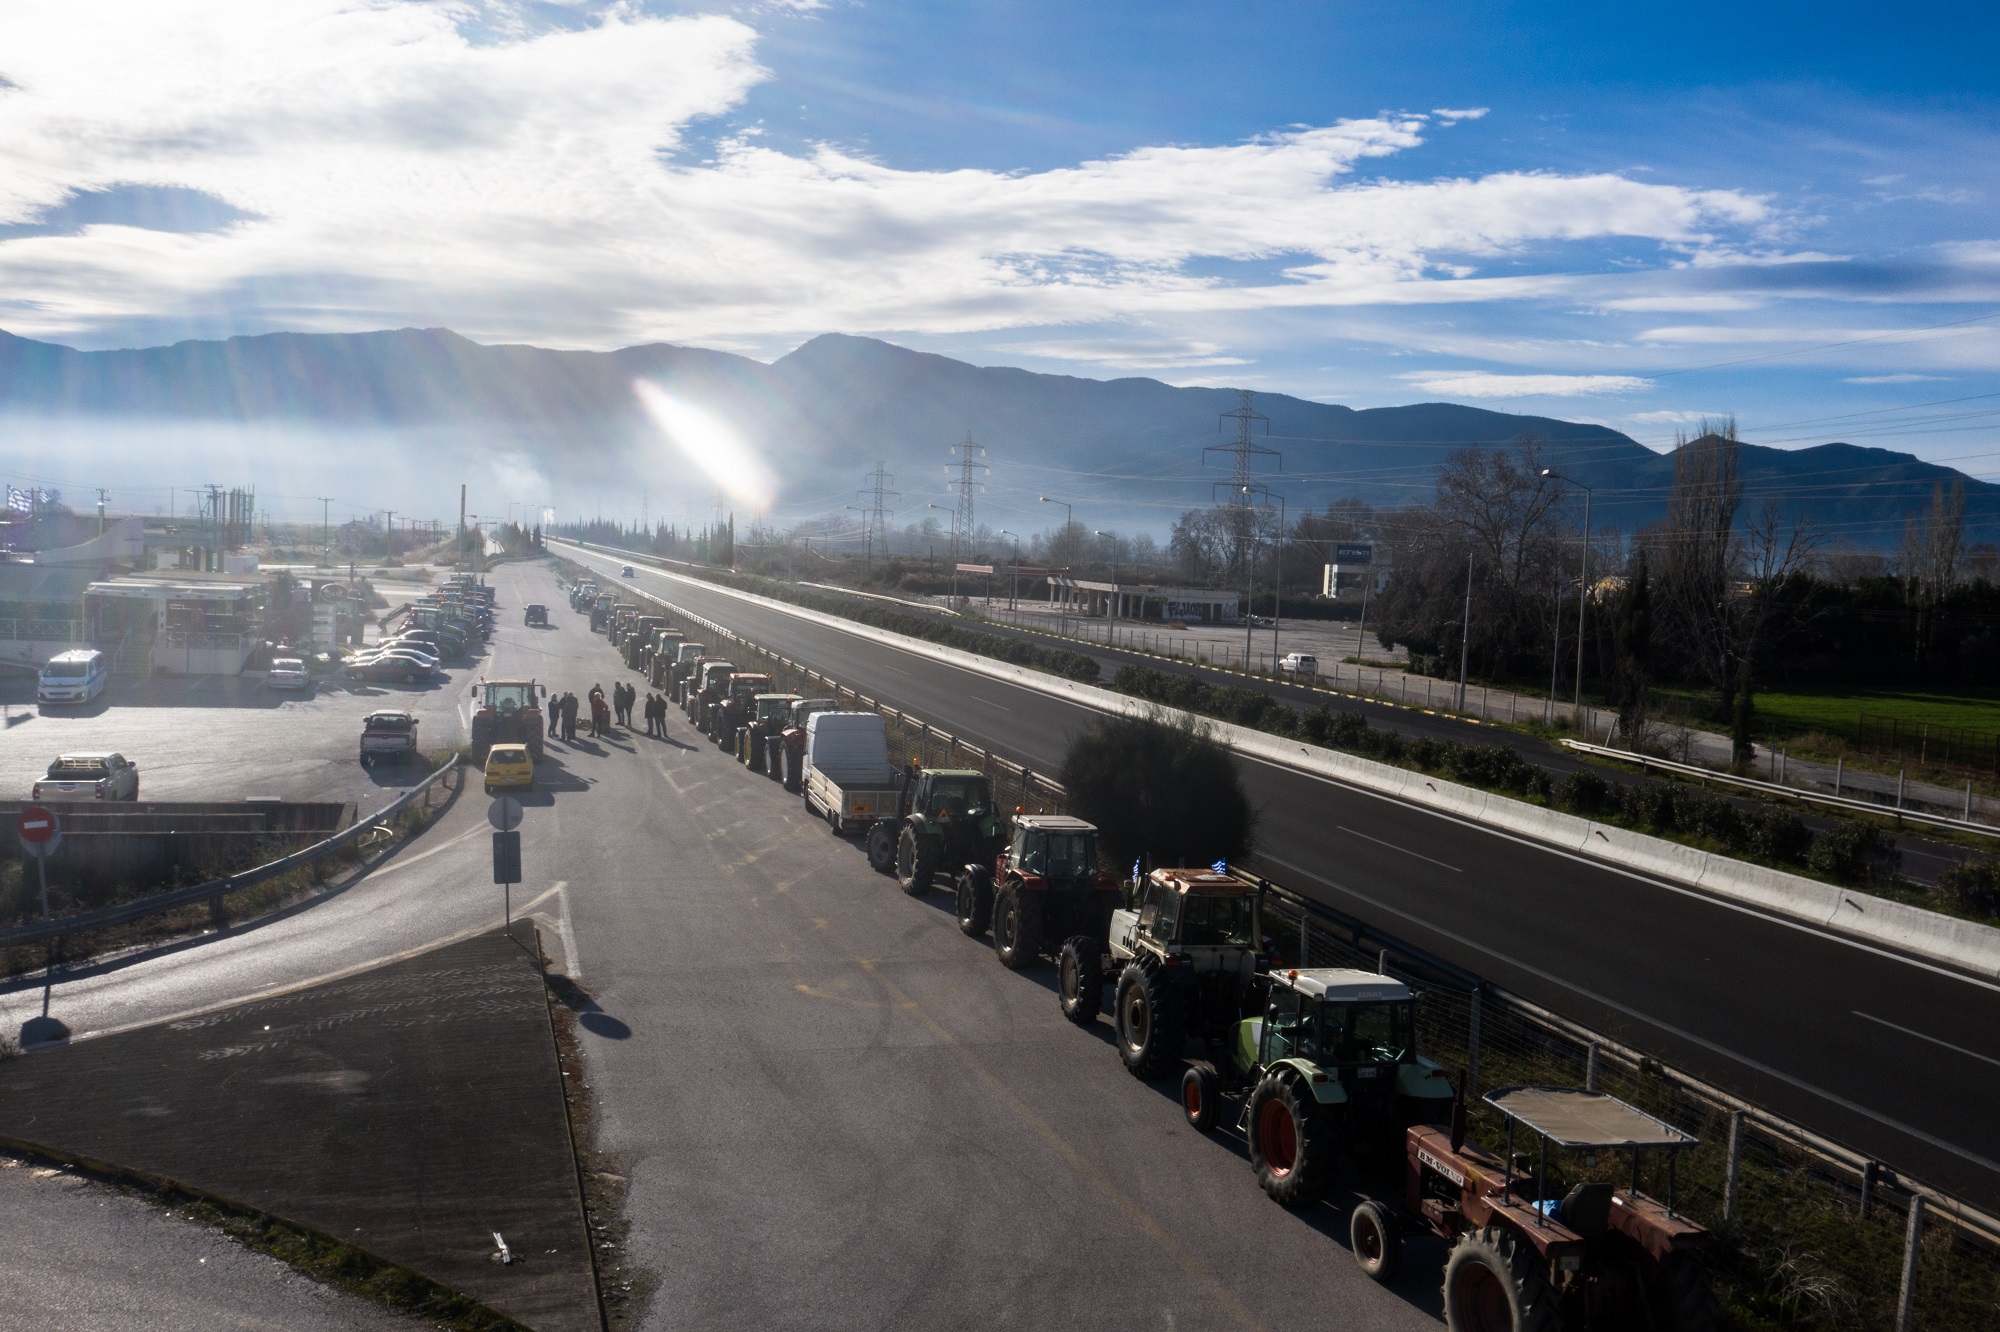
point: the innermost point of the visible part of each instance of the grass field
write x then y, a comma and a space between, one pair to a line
1837, 713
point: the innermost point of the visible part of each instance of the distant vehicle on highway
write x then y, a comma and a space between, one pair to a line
91, 775
1298, 663
288, 673
537, 614
76, 676
388, 735
509, 767
626, 572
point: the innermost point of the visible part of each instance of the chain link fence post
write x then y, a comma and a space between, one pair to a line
1732, 1170
1906, 1300
1472, 1046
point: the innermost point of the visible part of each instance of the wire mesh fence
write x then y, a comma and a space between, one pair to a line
1807, 1234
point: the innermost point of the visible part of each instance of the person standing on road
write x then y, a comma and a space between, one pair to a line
656, 715
600, 711
624, 704
555, 715
569, 716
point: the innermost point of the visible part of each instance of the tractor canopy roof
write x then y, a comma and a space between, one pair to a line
1569, 1117
1055, 823
1343, 985
1203, 882
954, 772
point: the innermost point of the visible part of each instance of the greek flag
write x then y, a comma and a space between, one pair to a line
1220, 867
22, 501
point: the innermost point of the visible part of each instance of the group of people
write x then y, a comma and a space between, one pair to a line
622, 700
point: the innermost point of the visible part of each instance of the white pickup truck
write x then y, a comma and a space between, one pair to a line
89, 776
388, 735
848, 777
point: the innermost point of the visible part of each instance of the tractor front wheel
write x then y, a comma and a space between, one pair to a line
482, 736
1492, 1283
1149, 1027
1017, 927
916, 862
975, 904
1291, 1141
1376, 1243
882, 848
1201, 1098
1080, 979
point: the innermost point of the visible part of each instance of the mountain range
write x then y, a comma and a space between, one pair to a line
417, 411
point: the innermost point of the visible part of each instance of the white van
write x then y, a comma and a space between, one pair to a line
1298, 663
76, 676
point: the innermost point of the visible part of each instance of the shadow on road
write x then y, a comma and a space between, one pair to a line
589, 1016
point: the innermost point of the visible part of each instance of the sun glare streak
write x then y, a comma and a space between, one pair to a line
712, 445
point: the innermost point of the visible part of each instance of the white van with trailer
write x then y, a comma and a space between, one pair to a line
76, 676
849, 780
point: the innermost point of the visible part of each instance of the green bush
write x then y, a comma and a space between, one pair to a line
1854, 853
1971, 886
1159, 789
1582, 793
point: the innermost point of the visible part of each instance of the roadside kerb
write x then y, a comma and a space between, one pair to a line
1927, 934
228, 883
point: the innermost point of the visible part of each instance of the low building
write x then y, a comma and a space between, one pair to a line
180, 627
1146, 601
41, 611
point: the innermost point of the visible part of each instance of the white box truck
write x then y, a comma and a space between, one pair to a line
848, 777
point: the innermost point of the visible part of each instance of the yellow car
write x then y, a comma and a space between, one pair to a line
509, 767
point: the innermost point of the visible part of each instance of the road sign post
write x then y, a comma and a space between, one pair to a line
41, 834
505, 816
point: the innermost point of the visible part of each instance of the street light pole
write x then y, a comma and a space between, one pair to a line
1062, 616
954, 564
1278, 585
1014, 596
1111, 606
1465, 631
1582, 583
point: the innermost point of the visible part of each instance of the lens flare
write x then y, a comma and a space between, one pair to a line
712, 445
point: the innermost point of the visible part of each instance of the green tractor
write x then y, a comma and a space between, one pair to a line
944, 817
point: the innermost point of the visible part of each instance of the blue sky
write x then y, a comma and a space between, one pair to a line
1638, 214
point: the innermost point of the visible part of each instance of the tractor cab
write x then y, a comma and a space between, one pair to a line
735, 706
1352, 1037
1555, 1226
773, 711
944, 820
508, 712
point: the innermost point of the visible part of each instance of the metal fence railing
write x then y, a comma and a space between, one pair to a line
1929, 745
1810, 1233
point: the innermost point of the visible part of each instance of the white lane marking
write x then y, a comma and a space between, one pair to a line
1911, 1031
1654, 1022
887, 667
290, 987
1663, 884
989, 702
1393, 847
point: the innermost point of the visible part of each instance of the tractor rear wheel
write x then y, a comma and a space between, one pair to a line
975, 904
534, 743
1080, 979
916, 862
882, 848
1149, 1022
1017, 927
1375, 1241
1683, 1297
1291, 1141
1201, 1098
1492, 1283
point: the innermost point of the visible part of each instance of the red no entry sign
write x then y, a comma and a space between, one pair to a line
37, 825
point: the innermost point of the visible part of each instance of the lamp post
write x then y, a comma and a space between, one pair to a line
1278, 585
1582, 582
1465, 630
954, 564
1014, 596
1111, 605
1062, 616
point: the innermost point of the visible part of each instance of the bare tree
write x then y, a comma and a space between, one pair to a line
1697, 552
1932, 548
1771, 601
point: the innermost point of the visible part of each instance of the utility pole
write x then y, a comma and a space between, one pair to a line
389, 533
326, 529
103, 500
1243, 491
1465, 632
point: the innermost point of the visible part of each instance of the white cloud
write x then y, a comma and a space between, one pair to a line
1127, 353
1676, 418
1479, 384
515, 182
1891, 379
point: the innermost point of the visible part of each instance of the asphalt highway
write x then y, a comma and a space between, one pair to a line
830, 1108
1893, 1056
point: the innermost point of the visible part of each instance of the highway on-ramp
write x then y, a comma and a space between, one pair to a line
1896, 1057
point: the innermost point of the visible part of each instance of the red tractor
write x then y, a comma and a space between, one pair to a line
509, 713
1044, 894
1539, 1246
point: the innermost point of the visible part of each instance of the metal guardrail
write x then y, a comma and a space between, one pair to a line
1775, 788
125, 912
1868, 1180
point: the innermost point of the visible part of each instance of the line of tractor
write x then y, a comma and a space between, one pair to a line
1317, 1068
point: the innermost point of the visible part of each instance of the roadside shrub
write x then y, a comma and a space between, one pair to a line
1160, 789
1582, 793
1971, 887
1776, 836
1712, 818
1426, 753
1855, 853
1647, 805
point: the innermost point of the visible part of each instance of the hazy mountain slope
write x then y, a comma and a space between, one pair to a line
565, 426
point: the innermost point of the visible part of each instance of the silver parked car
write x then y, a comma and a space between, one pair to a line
89, 776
